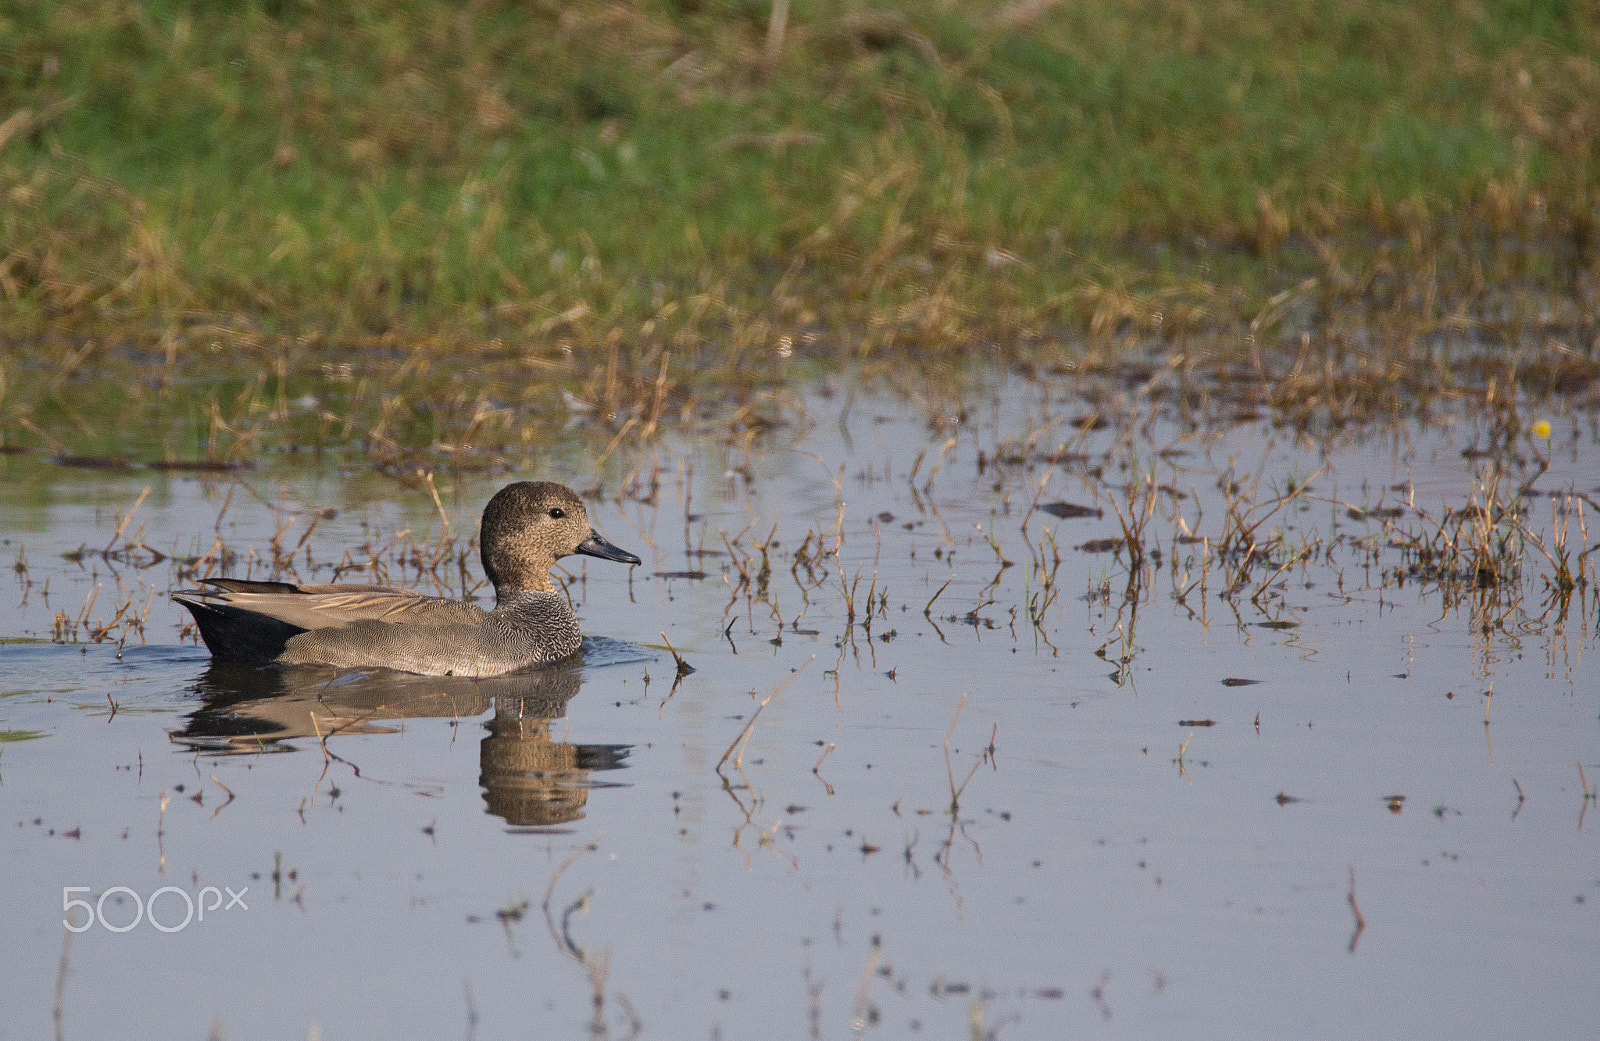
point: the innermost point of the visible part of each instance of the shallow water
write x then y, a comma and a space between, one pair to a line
1360, 841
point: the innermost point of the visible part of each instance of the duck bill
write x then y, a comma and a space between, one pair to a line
596, 546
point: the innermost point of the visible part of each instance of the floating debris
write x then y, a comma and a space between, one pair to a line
1376, 513
92, 462
1071, 510
200, 465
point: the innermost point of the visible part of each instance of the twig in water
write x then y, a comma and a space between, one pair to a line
123, 523
225, 788
684, 668
632, 422
1182, 749
326, 759
1361, 920
433, 493
745, 733
944, 454
814, 770
1588, 796
59, 1010
858, 1015
549, 921
161, 833
955, 791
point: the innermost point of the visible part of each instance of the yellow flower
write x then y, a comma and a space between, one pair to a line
1541, 430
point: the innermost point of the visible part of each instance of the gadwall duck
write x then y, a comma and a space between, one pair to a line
527, 526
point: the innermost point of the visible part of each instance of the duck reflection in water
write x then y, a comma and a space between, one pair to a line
528, 779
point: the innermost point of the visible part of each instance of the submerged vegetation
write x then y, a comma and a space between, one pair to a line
411, 225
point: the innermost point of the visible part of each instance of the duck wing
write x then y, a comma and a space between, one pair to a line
252, 621
333, 606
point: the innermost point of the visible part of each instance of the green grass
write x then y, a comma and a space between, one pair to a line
676, 177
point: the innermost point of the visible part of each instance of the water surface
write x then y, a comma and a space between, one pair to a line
947, 821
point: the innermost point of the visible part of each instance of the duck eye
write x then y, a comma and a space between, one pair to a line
556, 513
